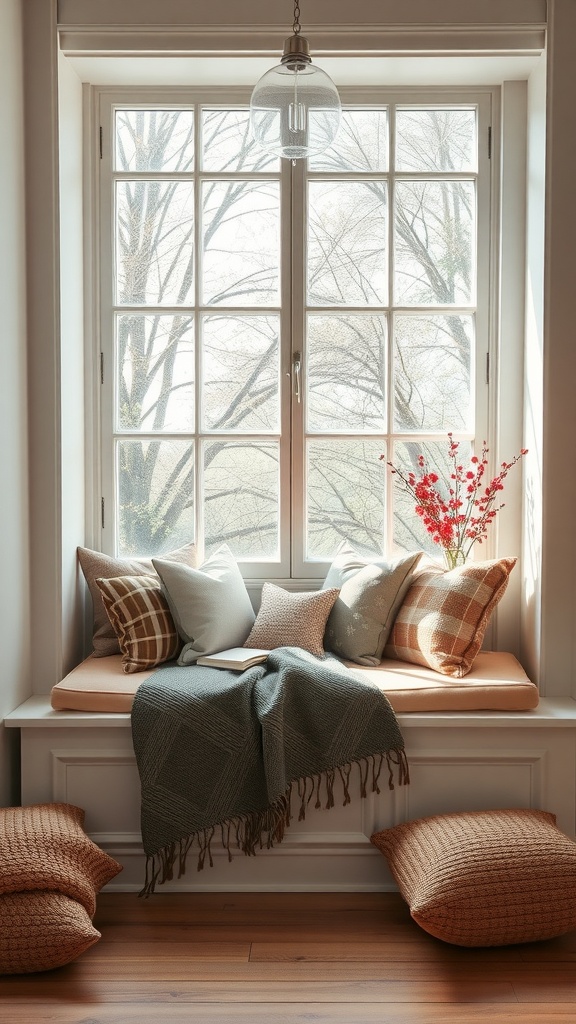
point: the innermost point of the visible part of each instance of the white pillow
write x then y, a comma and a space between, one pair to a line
210, 605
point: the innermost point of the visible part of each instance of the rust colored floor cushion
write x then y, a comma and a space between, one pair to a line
50, 874
497, 682
485, 878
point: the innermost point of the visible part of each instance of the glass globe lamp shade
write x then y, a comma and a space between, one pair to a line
295, 110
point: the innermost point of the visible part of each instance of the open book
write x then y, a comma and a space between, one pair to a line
234, 657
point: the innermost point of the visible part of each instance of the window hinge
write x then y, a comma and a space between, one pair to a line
487, 367
490, 142
101, 134
101, 367
102, 511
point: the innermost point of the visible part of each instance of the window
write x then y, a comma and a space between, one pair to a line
269, 330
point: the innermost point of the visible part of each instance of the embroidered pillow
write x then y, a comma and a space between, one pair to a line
443, 618
287, 619
485, 878
210, 605
141, 619
96, 565
371, 593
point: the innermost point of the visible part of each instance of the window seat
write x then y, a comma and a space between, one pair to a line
460, 758
497, 682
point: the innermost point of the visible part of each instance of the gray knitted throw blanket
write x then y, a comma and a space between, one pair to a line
221, 753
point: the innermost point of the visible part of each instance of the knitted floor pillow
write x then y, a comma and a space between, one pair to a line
50, 874
485, 878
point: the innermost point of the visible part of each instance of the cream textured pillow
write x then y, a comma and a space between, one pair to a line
443, 618
287, 619
141, 619
371, 593
485, 878
42, 930
96, 565
210, 605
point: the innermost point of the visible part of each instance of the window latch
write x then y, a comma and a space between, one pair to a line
297, 375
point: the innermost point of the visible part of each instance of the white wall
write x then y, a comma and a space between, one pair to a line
552, 342
531, 606
15, 599
71, 354
558, 592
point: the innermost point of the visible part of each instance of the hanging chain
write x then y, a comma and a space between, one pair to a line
296, 26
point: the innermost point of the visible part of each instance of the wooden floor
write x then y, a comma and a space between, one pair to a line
289, 958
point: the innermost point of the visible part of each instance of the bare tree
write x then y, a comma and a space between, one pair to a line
348, 348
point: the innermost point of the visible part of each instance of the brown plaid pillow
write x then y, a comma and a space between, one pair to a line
96, 566
141, 619
443, 618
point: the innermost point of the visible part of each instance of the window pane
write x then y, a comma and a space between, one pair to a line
436, 140
241, 498
155, 373
154, 140
361, 143
435, 237
241, 231
241, 373
227, 143
347, 243
154, 242
345, 488
346, 373
155, 496
432, 373
409, 532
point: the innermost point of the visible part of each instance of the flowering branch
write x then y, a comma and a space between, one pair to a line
457, 515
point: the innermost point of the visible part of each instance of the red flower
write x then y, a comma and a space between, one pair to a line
446, 511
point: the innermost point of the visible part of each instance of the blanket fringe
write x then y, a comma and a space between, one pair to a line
268, 826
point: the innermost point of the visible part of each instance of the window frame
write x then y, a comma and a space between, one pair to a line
293, 566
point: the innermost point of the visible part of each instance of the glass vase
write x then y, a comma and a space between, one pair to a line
453, 557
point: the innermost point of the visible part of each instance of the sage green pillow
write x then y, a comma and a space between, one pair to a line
371, 593
210, 605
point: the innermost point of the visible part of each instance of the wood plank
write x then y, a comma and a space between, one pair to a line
222, 952
105, 991
165, 968
351, 920
290, 1013
421, 947
384, 901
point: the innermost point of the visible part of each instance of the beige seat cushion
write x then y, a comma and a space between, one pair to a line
497, 682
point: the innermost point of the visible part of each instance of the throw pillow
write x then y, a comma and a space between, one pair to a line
371, 593
286, 619
210, 605
96, 565
42, 930
141, 619
443, 618
485, 878
50, 874
44, 847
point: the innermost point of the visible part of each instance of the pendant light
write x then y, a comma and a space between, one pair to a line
295, 107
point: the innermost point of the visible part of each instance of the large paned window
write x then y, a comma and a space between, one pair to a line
268, 330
